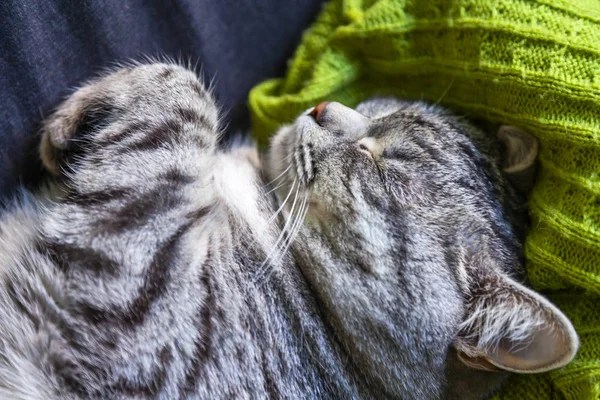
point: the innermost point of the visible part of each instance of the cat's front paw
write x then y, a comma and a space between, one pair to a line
82, 115
105, 113
65, 131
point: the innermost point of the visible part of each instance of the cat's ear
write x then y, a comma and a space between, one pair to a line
511, 328
521, 150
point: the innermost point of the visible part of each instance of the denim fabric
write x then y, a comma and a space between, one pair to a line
47, 47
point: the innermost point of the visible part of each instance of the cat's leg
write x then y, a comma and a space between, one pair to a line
132, 110
135, 152
127, 148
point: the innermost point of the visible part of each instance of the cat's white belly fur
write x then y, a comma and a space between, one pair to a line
237, 186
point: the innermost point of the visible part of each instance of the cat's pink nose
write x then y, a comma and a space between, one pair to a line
317, 112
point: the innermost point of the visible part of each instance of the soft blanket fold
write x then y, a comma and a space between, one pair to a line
534, 64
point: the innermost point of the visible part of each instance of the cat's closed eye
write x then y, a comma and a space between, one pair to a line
365, 149
370, 146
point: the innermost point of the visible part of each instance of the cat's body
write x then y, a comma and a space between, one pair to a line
146, 276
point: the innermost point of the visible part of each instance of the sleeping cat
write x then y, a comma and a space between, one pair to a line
372, 253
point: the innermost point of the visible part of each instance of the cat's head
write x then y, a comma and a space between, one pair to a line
412, 242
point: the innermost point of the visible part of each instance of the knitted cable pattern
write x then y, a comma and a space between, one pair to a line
533, 64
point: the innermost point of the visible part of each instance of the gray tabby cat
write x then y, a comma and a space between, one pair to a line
381, 262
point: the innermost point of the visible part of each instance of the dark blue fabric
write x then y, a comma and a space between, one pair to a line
47, 47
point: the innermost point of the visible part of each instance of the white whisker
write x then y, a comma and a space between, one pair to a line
288, 221
302, 210
278, 211
282, 203
275, 188
273, 251
295, 226
300, 215
278, 176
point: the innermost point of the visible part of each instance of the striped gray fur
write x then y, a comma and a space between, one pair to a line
158, 267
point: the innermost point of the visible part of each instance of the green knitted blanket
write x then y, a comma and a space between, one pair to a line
534, 64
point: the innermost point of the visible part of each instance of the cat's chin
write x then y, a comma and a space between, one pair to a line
287, 157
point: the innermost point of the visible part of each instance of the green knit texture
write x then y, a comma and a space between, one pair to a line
533, 64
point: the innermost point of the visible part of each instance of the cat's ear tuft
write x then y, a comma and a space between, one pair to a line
521, 148
511, 328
